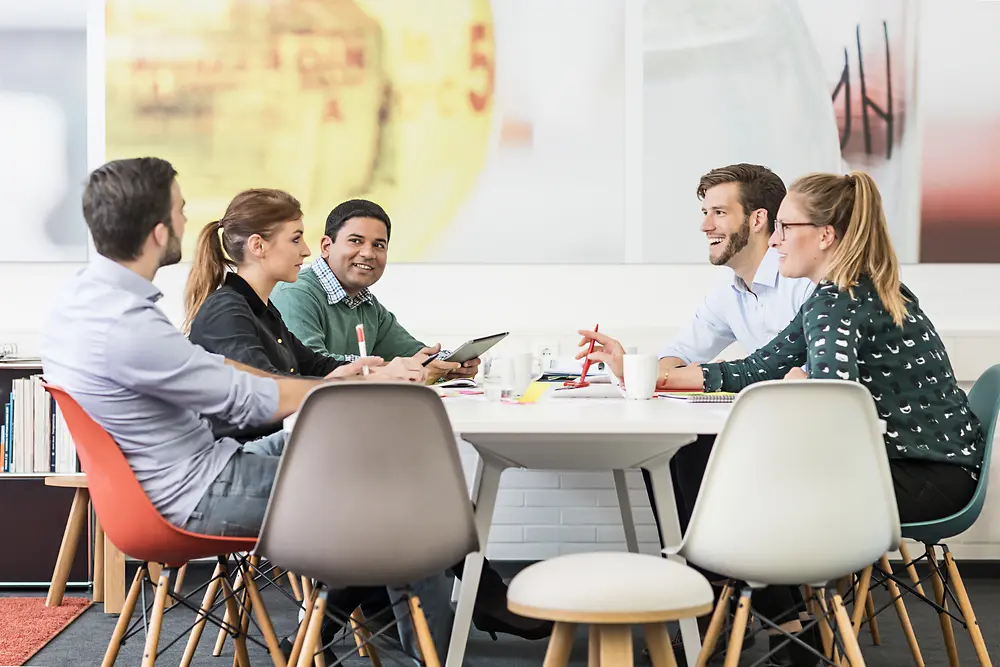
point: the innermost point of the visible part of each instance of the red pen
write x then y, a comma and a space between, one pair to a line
582, 382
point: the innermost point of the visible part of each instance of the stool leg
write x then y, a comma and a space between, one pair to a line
661, 653
616, 646
560, 645
594, 646
67, 550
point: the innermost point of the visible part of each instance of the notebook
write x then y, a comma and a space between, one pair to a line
701, 396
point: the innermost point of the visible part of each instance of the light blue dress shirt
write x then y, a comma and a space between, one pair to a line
116, 353
732, 313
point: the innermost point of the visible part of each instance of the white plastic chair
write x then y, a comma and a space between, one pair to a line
808, 458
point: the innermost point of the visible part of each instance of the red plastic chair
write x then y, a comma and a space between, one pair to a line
134, 526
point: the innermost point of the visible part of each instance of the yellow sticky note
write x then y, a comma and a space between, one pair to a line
534, 391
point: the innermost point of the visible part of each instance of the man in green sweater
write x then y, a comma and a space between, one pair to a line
331, 297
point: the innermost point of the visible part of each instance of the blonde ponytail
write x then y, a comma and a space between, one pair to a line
207, 272
852, 205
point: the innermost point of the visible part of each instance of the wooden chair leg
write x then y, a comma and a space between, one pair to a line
307, 588
178, 585
861, 599
360, 633
114, 578
661, 653
966, 606
233, 612
263, 619
156, 619
616, 646
847, 636
711, 639
872, 619
221, 639
75, 524
294, 582
300, 633
739, 629
904, 553
822, 613
560, 645
97, 594
312, 636
904, 618
424, 640
125, 617
207, 602
947, 631
247, 608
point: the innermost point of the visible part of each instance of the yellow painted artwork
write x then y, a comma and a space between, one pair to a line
390, 100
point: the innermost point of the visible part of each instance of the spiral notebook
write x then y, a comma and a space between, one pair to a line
701, 396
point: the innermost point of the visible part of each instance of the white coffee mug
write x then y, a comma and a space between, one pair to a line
527, 369
641, 371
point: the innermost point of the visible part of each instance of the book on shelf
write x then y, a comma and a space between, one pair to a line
34, 437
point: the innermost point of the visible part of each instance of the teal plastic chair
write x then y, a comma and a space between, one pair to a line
984, 400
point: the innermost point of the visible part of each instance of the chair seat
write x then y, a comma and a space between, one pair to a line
609, 587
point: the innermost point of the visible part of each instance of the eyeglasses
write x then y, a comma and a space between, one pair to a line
779, 226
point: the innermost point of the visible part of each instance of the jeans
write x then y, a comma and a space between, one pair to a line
234, 506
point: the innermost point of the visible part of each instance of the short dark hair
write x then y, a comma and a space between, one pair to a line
355, 208
759, 187
123, 202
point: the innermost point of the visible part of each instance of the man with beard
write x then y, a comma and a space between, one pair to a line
117, 354
739, 205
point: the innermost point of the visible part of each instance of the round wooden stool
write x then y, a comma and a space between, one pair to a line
610, 592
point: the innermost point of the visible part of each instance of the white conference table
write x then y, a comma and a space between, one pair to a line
575, 434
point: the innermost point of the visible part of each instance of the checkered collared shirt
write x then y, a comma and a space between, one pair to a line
334, 290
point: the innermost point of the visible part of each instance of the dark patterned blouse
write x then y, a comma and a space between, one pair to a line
906, 369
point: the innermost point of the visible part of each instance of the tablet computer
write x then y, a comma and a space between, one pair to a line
474, 348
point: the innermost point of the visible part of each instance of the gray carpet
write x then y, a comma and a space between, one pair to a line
85, 641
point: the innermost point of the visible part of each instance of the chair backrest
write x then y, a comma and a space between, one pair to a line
127, 516
370, 489
797, 489
984, 401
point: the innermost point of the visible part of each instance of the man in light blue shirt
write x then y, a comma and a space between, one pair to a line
739, 205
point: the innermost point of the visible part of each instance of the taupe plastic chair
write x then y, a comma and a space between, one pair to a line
392, 446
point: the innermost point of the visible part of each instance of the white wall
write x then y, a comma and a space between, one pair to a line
540, 514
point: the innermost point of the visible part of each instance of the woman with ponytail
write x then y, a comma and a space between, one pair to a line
832, 229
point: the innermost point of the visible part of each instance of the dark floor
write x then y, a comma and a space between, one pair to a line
84, 642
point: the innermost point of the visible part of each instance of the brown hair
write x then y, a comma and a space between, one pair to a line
258, 211
759, 187
852, 205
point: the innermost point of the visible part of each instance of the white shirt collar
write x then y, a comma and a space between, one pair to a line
767, 273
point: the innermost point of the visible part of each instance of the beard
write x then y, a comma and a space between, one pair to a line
736, 242
172, 253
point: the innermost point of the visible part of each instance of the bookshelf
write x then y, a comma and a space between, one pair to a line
34, 515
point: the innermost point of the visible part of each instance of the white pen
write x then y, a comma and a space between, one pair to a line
361, 345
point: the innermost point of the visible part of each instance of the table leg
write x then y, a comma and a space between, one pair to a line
625, 506
488, 488
670, 526
477, 481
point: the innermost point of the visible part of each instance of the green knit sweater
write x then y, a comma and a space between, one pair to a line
330, 328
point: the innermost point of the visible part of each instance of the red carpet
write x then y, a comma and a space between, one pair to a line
26, 625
